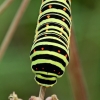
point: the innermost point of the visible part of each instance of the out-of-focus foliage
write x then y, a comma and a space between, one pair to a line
15, 70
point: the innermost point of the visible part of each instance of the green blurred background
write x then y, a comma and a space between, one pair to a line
15, 70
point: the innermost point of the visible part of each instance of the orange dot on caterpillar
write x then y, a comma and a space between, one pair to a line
64, 9
66, 55
50, 6
34, 50
63, 19
48, 16
59, 51
42, 48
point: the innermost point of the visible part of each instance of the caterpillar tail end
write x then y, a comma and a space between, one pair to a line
44, 83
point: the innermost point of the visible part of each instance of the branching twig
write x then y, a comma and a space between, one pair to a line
14, 96
5, 4
75, 73
13, 27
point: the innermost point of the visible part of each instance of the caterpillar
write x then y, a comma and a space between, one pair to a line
50, 50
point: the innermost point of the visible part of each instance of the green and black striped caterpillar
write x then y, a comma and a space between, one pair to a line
50, 50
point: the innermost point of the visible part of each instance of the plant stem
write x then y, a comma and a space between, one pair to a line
42, 92
75, 72
13, 27
5, 4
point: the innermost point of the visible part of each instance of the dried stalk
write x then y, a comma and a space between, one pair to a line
13, 96
42, 92
54, 97
5, 4
13, 27
75, 73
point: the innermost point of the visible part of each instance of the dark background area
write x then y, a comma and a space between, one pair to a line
15, 67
